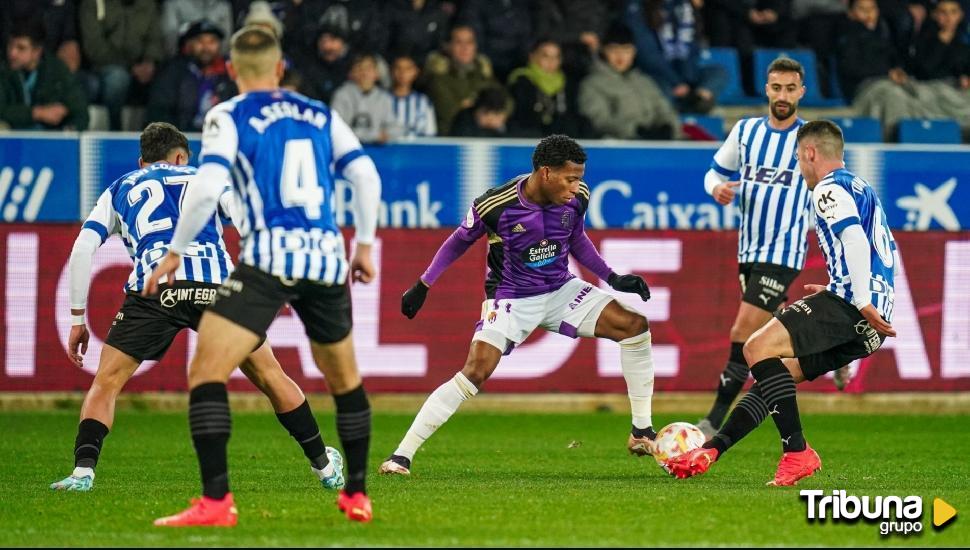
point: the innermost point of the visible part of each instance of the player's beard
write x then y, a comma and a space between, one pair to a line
788, 113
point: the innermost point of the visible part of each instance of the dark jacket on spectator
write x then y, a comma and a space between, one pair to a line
449, 86
55, 84
362, 21
543, 104
182, 93
320, 78
417, 33
933, 60
116, 32
60, 19
503, 28
862, 54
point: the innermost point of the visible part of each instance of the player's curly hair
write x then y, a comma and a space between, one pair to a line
556, 150
158, 139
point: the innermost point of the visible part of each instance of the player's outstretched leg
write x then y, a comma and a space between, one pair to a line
97, 416
632, 331
294, 413
482, 359
339, 366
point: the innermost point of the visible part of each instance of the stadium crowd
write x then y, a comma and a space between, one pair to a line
625, 69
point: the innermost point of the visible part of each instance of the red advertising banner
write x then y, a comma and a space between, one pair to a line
692, 274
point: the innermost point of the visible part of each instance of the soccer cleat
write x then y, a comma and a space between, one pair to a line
706, 428
74, 483
842, 377
204, 512
336, 479
356, 506
795, 466
640, 446
691, 463
396, 464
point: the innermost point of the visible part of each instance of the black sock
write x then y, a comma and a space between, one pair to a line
210, 424
304, 429
353, 427
778, 388
746, 416
729, 384
644, 432
87, 444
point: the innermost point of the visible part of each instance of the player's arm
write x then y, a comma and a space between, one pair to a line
453, 248
835, 208
219, 145
727, 161
98, 226
358, 168
586, 254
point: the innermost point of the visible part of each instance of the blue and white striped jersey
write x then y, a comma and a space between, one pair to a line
143, 207
415, 113
843, 199
773, 197
282, 149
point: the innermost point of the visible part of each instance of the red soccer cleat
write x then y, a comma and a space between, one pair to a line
204, 511
796, 465
356, 506
691, 463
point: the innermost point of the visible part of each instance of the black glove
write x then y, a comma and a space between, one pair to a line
630, 283
413, 299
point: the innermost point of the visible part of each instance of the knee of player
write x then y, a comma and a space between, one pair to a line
753, 351
638, 325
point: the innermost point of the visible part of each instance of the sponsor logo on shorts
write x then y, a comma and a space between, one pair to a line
801, 307
541, 253
229, 286
199, 296
579, 297
771, 283
492, 316
872, 340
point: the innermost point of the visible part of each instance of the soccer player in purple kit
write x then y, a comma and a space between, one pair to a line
533, 223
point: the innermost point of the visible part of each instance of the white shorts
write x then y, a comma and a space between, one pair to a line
572, 310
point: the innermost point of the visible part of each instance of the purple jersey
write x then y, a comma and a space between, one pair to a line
528, 244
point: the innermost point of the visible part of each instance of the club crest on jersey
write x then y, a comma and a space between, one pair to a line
541, 253
769, 175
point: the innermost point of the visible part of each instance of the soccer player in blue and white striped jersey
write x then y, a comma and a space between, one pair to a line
280, 150
143, 207
773, 201
847, 319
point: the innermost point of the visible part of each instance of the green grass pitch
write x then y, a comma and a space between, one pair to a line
484, 479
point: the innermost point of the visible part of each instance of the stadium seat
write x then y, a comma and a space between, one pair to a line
98, 118
813, 95
727, 58
860, 129
940, 131
713, 125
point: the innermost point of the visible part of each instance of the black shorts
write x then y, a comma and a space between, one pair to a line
765, 286
827, 333
144, 328
252, 298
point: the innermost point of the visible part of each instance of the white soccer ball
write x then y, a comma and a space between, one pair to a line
676, 439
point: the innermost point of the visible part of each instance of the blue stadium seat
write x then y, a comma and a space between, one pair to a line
916, 130
813, 95
727, 58
860, 129
714, 125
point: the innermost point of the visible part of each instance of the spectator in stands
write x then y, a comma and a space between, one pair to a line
121, 44
665, 35
619, 100
866, 56
413, 109
37, 90
326, 69
365, 106
487, 117
178, 15
362, 23
456, 76
416, 27
819, 27
192, 83
60, 24
544, 102
504, 30
576, 25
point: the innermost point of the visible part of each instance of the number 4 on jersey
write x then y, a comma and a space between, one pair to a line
299, 185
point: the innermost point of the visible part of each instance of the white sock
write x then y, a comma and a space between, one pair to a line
441, 404
81, 472
636, 361
326, 472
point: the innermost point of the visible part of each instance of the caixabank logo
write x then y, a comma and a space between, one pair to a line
894, 515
